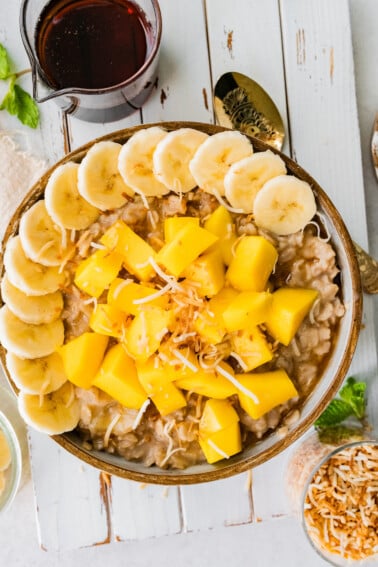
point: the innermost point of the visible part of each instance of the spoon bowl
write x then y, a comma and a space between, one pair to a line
242, 104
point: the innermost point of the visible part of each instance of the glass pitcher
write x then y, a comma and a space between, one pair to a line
95, 104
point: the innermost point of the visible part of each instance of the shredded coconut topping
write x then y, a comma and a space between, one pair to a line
341, 505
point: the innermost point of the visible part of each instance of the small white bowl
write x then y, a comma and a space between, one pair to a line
13, 473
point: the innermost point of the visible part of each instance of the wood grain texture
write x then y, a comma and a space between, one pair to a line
70, 505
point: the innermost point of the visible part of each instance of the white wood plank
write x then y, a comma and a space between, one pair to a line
233, 47
321, 91
325, 140
220, 503
70, 508
184, 90
246, 37
268, 489
140, 511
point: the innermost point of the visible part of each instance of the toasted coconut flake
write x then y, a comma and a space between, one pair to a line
340, 515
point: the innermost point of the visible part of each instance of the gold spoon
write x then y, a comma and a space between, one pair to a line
242, 104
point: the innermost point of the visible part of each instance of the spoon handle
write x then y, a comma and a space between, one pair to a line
368, 270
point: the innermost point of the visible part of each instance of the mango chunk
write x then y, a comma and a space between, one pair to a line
206, 383
252, 264
170, 399
252, 347
289, 307
270, 390
172, 225
108, 320
154, 374
126, 296
82, 358
134, 250
185, 247
220, 223
146, 331
117, 376
247, 309
95, 273
208, 272
222, 444
209, 324
217, 415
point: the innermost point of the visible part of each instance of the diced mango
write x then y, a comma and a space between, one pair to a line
145, 333
82, 358
208, 271
108, 320
169, 399
126, 294
134, 250
209, 324
222, 444
217, 415
154, 374
206, 383
185, 247
172, 225
117, 377
95, 273
220, 223
269, 388
252, 347
289, 307
252, 264
248, 309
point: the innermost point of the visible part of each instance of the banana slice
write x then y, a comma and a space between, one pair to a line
99, 180
214, 157
29, 341
38, 375
41, 239
30, 277
135, 162
172, 156
284, 205
245, 178
5, 453
31, 309
54, 414
64, 203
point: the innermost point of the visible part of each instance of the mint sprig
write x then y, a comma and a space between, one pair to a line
351, 402
17, 101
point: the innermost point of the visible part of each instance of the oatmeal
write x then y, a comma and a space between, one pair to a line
190, 314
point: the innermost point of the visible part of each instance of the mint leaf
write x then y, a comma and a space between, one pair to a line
353, 393
335, 413
18, 102
4, 63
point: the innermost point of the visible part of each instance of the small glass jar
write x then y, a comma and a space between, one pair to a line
12, 474
314, 470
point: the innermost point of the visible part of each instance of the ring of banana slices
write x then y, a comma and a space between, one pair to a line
152, 163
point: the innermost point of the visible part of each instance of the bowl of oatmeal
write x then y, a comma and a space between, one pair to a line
180, 302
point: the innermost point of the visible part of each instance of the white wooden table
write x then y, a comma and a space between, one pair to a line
300, 51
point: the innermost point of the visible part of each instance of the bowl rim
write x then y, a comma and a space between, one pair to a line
228, 468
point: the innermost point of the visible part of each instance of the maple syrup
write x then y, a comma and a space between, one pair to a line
90, 44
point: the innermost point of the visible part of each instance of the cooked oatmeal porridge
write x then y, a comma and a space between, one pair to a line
207, 367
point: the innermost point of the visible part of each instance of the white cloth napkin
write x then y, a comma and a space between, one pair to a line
19, 170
